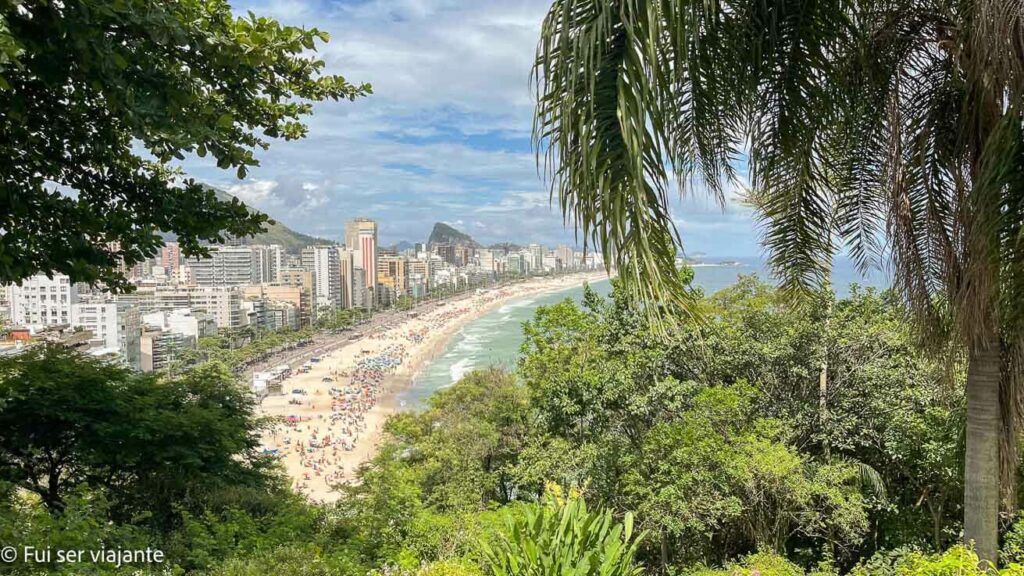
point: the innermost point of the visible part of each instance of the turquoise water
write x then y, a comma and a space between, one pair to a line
493, 339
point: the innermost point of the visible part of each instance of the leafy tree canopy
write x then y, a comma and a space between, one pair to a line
99, 97
69, 421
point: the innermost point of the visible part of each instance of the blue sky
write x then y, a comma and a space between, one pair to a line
444, 137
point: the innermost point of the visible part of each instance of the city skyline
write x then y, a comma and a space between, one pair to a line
260, 288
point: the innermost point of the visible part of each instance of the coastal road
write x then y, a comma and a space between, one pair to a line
325, 342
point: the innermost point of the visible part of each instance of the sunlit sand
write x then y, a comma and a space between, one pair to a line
329, 419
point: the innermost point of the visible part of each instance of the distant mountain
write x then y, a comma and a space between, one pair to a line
445, 234
403, 246
293, 242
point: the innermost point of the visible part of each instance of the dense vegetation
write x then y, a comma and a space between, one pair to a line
886, 130
763, 439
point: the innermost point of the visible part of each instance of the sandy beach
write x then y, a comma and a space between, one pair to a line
329, 419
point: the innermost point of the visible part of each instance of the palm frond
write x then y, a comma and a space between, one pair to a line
606, 131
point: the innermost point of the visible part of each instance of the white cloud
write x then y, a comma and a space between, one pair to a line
259, 193
444, 137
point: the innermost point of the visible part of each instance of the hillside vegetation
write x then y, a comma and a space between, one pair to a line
718, 449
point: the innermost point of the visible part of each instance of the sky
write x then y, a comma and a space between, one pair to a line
444, 137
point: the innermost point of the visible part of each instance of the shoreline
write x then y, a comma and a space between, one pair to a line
325, 432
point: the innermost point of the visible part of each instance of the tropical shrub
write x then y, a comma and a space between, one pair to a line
957, 561
760, 564
560, 537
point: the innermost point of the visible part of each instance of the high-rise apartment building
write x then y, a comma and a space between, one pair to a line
237, 265
394, 276
361, 239
323, 263
267, 263
223, 304
517, 263
226, 266
536, 257
346, 269
41, 302
170, 258
485, 259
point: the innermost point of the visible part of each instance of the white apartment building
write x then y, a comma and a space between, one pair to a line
180, 321
223, 304
116, 327
267, 263
486, 259
226, 266
41, 302
324, 264
536, 257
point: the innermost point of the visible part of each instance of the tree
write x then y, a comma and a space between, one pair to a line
151, 444
863, 121
405, 302
98, 98
55, 414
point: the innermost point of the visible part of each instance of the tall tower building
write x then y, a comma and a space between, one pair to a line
266, 263
170, 257
537, 256
322, 262
361, 239
346, 270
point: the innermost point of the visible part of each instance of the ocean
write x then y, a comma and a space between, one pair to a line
493, 339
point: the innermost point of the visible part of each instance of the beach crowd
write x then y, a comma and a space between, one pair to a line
326, 419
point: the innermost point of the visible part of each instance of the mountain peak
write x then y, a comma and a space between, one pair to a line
291, 241
445, 234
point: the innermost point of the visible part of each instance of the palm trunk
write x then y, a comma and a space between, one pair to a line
823, 408
981, 475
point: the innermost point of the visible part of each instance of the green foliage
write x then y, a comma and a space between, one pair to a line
957, 561
853, 132
70, 421
220, 349
333, 319
1013, 544
381, 509
87, 85
450, 568
82, 525
560, 536
761, 564
295, 559
712, 438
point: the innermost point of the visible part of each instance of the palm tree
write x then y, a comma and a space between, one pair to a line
888, 128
